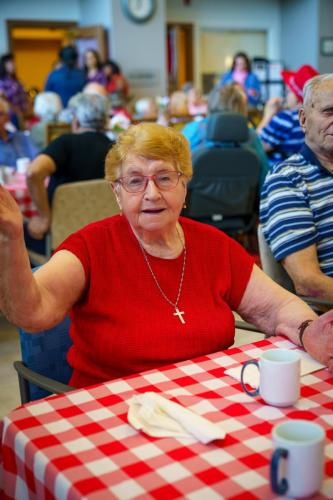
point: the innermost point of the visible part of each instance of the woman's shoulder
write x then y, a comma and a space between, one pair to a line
199, 230
113, 223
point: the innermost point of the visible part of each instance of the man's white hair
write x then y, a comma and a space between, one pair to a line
312, 85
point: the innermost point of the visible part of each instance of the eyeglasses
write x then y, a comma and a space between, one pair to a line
136, 183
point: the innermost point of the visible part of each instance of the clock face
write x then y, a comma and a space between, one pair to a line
139, 11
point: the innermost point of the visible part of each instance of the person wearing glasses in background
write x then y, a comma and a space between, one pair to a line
147, 287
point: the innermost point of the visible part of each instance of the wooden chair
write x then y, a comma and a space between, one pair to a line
55, 129
75, 205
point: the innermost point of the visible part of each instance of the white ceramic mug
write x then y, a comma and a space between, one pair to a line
280, 371
300, 443
22, 165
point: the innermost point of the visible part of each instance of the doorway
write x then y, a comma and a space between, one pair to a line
179, 55
36, 44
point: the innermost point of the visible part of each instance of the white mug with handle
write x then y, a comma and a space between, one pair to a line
280, 371
300, 444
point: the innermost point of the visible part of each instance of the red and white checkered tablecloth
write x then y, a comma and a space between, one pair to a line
80, 445
19, 190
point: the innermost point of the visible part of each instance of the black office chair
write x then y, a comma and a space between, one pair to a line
223, 191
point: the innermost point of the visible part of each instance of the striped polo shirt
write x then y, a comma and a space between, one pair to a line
296, 208
284, 134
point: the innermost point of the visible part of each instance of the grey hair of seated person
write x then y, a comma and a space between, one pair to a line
231, 97
91, 110
311, 86
47, 106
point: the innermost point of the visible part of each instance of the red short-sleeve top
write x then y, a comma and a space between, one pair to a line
123, 324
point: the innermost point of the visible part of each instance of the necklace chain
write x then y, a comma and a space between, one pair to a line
173, 304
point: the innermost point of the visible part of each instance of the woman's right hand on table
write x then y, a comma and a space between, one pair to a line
11, 219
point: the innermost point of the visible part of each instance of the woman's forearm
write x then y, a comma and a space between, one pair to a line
20, 297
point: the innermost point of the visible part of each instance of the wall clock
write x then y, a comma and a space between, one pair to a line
138, 11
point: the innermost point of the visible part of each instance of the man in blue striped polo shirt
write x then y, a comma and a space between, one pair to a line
279, 129
296, 208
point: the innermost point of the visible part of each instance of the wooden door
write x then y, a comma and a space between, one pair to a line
180, 55
36, 44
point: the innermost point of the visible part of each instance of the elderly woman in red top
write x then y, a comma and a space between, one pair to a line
147, 287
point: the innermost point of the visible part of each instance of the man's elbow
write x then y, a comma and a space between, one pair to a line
308, 284
35, 175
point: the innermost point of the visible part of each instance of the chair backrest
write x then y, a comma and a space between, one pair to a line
225, 176
271, 267
76, 204
55, 129
46, 354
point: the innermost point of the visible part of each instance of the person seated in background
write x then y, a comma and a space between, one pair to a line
12, 90
76, 156
47, 107
67, 80
241, 73
93, 67
116, 83
95, 88
279, 129
13, 144
230, 98
178, 103
146, 109
196, 104
296, 208
131, 281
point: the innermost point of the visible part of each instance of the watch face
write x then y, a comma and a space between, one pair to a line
139, 10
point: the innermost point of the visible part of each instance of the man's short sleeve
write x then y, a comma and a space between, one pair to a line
277, 130
285, 212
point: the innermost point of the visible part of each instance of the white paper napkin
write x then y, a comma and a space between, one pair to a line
159, 417
308, 365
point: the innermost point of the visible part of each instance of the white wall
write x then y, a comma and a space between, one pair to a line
95, 12
299, 28
51, 10
325, 64
140, 49
229, 14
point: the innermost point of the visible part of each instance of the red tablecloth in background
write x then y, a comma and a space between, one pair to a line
19, 190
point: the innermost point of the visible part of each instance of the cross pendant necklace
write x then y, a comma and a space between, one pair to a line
177, 312
180, 315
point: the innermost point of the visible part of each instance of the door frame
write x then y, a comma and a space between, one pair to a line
98, 32
34, 23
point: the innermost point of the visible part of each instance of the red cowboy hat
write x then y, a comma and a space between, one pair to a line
296, 80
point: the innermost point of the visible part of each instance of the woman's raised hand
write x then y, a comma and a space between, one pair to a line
11, 219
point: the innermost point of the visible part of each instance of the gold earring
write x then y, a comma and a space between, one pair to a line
184, 206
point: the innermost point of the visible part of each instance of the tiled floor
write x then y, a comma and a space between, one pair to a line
10, 351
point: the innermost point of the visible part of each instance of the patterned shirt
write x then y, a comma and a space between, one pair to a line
284, 134
296, 208
18, 145
14, 92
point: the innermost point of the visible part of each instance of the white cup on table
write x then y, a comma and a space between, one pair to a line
22, 165
280, 371
300, 445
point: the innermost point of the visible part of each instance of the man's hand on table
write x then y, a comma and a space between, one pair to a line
38, 226
318, 339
